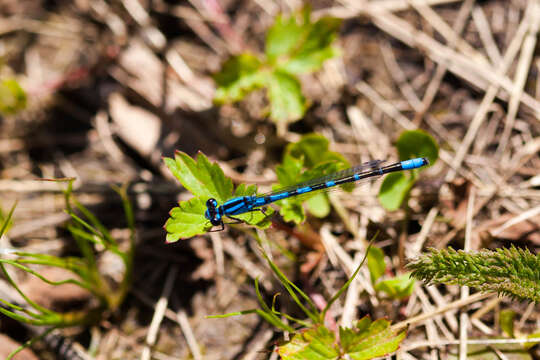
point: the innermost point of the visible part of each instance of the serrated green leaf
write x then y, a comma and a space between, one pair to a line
283, 36
314, 149
398, 287
311, 147
287, 104
202, 178
238, 76
187, 220
394, 190
12, 97
315, 48
289, 171
369, 340
310, 62
316, 343
297, 45
319, 160
318, 205
292, 210
375, 263
506, 321
417, 143
317, 201
290, 174
294, 45
310, 152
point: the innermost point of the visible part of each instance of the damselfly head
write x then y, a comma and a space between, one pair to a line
211, 203
211, 212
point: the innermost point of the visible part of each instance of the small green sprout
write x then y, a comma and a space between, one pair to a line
294, 45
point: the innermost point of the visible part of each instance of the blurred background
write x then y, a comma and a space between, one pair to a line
101, 91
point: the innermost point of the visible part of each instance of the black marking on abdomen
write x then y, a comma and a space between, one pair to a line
318, 186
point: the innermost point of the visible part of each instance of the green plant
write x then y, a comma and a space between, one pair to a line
204, 180
306, 159
88, 232
512, 271
12, 97
294, 45
397, 287
366, 339
397, 186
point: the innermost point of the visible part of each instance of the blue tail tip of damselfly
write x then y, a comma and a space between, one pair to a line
414, 163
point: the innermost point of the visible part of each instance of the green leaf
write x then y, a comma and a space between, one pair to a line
298, 45
201, 177
417, 143
398, 287
292, 210
187, 220
310, 62
290, 173
294, 45
376, 264
204, 180
284, 35
506, 321
238, 76
315, 343
394, 190
318, 205
312, 153
290, 169
315, 48
314, 149
287, 104
368, 340
12, 97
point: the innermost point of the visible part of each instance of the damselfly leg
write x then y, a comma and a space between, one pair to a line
216, 230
